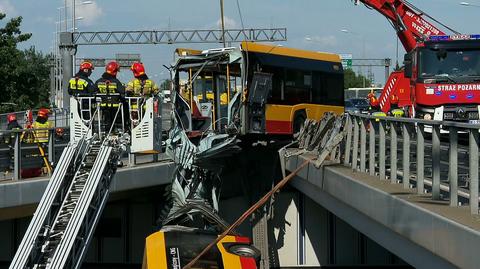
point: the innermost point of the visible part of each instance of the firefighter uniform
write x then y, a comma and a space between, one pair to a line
41, 136
142, 86
81, 85
112, 92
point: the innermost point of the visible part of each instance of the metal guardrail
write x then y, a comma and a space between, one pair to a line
17, 154
411, 133
58, 118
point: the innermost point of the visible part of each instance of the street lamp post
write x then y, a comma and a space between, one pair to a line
59, 73
362, 38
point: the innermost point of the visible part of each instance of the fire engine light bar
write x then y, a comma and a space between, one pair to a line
453, 37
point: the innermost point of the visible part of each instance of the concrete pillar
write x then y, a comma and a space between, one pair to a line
67, 50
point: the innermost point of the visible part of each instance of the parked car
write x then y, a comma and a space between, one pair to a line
357, 105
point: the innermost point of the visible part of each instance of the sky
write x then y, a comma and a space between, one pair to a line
311, 24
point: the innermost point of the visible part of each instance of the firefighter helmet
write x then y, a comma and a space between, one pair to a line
138, 69
112, 68
11, 117
86, 66
374, 102
43, 113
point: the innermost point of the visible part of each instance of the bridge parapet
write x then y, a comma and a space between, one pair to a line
438, 157
424, 233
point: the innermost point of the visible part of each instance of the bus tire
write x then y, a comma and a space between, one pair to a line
299, 121
246, 251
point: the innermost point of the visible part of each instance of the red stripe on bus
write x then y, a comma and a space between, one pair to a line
278, 127
248, 263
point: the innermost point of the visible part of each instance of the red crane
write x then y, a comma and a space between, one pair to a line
441, 77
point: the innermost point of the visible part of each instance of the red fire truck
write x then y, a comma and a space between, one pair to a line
441, 76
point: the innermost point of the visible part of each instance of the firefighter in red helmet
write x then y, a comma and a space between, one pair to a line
12, 125
41, 122
112, 93
141, 85
81, 84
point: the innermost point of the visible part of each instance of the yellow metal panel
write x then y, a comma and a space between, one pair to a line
285, 112
229, 260
283, 51
186, 52
156, 258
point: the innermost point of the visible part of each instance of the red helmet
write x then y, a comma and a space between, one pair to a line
138, 69
112, 68
11, 117
374, 102
86, 66
43, 113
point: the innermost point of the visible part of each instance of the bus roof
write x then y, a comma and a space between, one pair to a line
290, 52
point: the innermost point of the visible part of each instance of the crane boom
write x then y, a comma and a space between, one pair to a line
409, 21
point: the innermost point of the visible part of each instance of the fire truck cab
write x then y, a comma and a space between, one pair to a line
445, 78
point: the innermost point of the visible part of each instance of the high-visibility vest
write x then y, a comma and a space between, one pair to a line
78, 85
398, 113
41, 136
142, 87
107, 87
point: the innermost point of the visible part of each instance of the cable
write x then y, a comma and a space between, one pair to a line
247, 213
410, 5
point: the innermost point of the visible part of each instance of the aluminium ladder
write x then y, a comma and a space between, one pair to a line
63, 224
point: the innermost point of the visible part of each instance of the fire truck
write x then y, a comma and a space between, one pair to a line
441, 76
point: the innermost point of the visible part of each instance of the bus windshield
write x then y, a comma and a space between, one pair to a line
449, 63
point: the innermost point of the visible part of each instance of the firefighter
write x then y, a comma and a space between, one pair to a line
11, 126
82, 86
140, 86
112, 93
395, 110
41, 122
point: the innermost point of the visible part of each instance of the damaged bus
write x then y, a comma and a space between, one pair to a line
255, 88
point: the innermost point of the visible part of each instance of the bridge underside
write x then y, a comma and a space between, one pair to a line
20, 198
424, 233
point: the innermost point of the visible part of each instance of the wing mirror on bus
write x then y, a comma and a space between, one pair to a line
407, 61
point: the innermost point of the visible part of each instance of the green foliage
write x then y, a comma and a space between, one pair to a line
353, 80
24, 75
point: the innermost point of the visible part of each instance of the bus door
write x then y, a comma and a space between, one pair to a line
260, 89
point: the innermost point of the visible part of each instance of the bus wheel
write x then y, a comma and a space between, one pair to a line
246, 251
299, 121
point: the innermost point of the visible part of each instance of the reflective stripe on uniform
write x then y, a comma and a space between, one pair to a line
142, 87
78, 84
41, 136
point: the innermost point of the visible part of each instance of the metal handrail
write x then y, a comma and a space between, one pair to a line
381, 130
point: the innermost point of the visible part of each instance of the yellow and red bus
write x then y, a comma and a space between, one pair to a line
270, 89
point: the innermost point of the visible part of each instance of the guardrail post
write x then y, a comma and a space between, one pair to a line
420, 158
393, 153
348, 146
363, 146
435, 162
51, 146
406, 156
382, 151
371, 151
355, 144
17, 163
453, 166
473, 167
